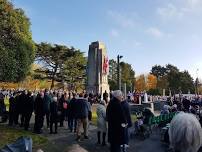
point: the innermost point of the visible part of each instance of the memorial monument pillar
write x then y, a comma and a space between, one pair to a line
97, 69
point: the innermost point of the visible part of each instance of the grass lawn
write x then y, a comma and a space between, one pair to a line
9, 135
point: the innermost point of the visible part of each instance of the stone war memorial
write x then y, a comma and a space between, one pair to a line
97, 69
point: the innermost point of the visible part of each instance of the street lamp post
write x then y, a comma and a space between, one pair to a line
118, 71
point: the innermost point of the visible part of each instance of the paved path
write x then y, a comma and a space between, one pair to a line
65, 141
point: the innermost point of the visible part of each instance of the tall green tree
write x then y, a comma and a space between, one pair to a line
174, 81
171, 78
74, 70
127, 75
53, 58
162, 83
158, 71
16, 44
197, 86
187, 82
171, 68
112, 70
112, 74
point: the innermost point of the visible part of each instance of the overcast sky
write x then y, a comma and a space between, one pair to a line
145, 32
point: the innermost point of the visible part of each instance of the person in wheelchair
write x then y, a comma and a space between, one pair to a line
139, 124
146, 115
142, 124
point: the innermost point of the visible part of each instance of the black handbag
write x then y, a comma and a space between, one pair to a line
89, 115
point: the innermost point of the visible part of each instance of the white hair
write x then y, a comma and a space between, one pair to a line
174, 106
185, 133
55, 99
117, 94
166, 107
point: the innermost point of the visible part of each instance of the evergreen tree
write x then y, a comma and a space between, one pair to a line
16, 44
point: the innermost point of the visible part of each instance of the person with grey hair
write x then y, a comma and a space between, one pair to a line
165, 110
101, 121
185, 133
54, 115
116, 122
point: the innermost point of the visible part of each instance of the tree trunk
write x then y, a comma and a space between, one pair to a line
53, 77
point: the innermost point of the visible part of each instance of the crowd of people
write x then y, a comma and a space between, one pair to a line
113, 116
55, 106
185, 132
76, 109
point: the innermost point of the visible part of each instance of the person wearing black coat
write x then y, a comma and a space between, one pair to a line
17, 108
53, 115
126, 108
186, 104
81, 114
47, 101
39, 113
72, 110
22, 105
2, 105
105, 96
147, 114
12, 107
116, 122
29, 107
63, 106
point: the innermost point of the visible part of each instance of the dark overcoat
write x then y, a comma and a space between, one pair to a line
126, 108
53, 111
116, 117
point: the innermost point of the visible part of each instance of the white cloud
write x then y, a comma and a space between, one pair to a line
193, 70
155, 32
194, 3
131, 44
179, 9
136, 43
193, 6
169, 11
114, 33
122, 19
